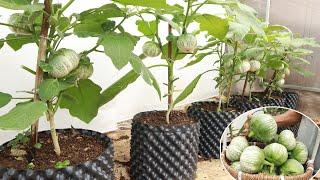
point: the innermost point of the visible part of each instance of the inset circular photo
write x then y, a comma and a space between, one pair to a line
271, 143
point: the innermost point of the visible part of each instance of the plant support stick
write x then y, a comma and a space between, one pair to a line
41, 57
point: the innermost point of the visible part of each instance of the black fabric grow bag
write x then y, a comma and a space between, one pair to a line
99, 168
163, 152
212, 125
291, 99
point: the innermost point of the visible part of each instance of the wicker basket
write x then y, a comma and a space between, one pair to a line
245, 176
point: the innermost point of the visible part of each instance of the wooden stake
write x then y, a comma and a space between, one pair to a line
41, 57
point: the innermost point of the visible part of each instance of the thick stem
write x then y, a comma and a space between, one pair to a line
245, 85
232, 74
41, 57
184, 26
268, 92
170, 75
54, 136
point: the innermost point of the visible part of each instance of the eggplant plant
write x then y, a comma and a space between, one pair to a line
62, 74
230, 45
284, 52
179, 42
280, 52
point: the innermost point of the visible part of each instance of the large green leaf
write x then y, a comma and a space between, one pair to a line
4, 99
239, 30
102, 13
16, 41
119, 47
22, 116
215, 25
95, 22
50, 88
117, 87
20, 5
157, 4
82, 101
247, 17
141, 69
1, 44
188, 90
148, 28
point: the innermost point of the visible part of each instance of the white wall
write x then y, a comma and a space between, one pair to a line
136, 98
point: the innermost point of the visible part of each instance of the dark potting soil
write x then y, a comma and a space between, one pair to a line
261, 95
158, 118
75, 147
212, 106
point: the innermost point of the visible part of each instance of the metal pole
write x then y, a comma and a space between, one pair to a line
268, 5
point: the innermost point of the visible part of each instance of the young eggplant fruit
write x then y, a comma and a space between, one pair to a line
63, 62
236, 147
187, 43
263, 127
286, 138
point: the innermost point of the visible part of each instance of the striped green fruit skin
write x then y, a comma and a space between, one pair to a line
300, 152
263, 128
187, 43
286, 138
252, 160
291, 168
276, 153
236, 147
63, 62
151, 49
84, 71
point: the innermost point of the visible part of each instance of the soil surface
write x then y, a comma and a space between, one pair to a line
213, 106
75, 147
159, 118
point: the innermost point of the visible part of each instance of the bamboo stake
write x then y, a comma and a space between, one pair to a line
41, 57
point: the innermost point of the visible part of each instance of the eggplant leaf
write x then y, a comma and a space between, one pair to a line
4, 99
113, 90
22, 116
82, 101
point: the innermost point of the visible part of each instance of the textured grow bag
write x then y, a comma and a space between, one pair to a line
99, 168
245, 105
212, 125
291, 99
163, 152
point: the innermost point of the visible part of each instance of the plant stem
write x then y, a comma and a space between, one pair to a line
245, 85
170, 76
267, 91
184, 26
10, 25
22, 98
54, 136
66, 6
41, 57
231, 77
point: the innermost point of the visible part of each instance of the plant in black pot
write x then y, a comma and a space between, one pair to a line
279, 53
62, 81
164, 144
232, 65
